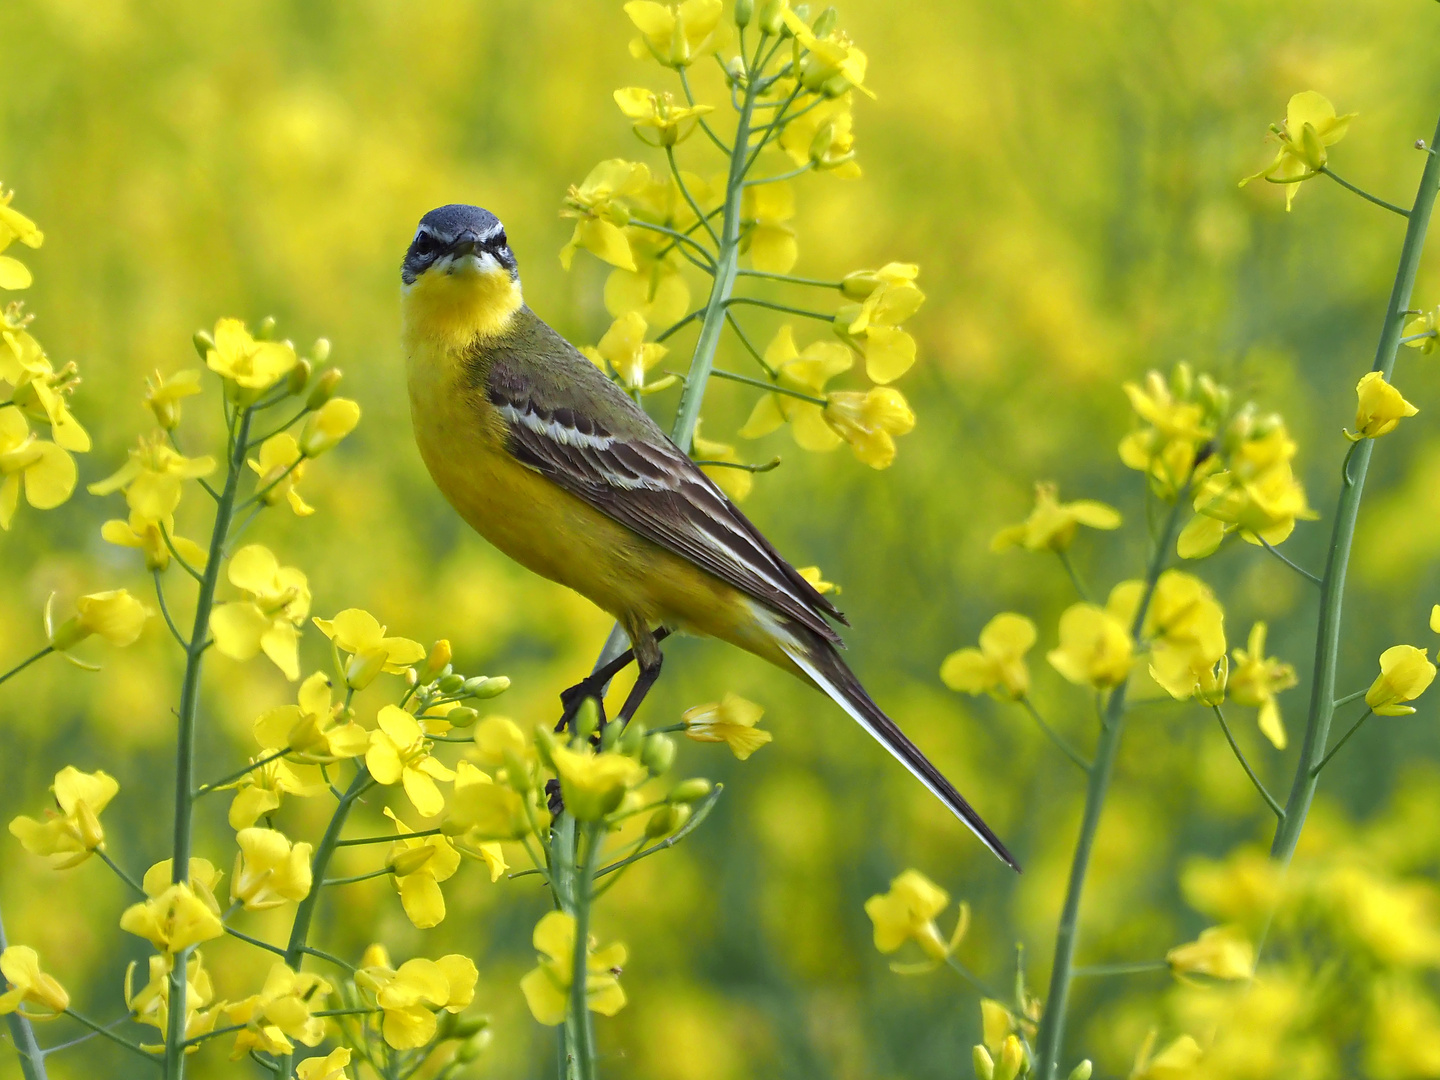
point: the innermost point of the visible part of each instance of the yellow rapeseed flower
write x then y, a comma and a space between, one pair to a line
15, 226
1405, 673
419, 864
69, 837
281, 1011
593, 783
114, 615
249, 364
806, 372
410, 995
869, 421
269, 869
1052, 525
1422, 329
330, 1067
831, 64
153, 478
817, 580
317, 730
163, 395
768, 240
259, 791
1186, 629
149, 536
547, 986
173, 920
1380, 408
624, 350
279, 600
1095, 644
43, 469
600, 212
1177, 417
483, 812
907, 913
732, 721
399, 753
328, 425
151, 1003
281, 467
888, 297
658, 114
36, 387
1178, 1061
822, 135
1221, 952
20, 965
678, 36
998, 666
1310, 126
1256, 679
360, 636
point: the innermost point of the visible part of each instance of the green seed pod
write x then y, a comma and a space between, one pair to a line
587, 718
452, 683
744, 12
204, 343
659, 754
692, 790
298, 378
984, 1067
325, 388
825, 22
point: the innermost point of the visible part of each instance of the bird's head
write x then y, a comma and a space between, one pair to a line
460, 278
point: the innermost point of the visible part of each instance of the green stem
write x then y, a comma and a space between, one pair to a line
46, 651
749, 345
1244, 764
258, 763
1352, 489
185, 739
1306, 574
1343, 740
385, 839
582, 1049
119, 872
1080, 590
1052, 1025
1364, 194
108, 1034
564, 847
774, 388
790, 279
788, 309
1348, 698
180, 559
165, 611
690, 100
1092, 971
22, 1034
382, 872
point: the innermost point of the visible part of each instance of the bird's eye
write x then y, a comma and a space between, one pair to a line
424, 243
500, 240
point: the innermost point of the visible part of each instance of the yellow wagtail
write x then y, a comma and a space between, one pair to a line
557, 467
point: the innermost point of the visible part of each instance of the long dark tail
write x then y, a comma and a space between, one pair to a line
819, 660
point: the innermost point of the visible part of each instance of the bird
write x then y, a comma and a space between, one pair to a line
548, 459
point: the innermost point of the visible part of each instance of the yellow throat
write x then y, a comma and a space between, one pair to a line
450, 309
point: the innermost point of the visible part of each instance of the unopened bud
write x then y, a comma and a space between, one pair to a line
692, 790
325, 427
320, 351
632, 741
406, 862
474, 1046
545, 746
486, 686
610, 736
451, 683
1012, 1059
825, 22
587, 718
298, 378
363, 667
437, 660
666, 820
772, 16
1267, 425
204, 343
462, 716
1182, 381
517, 773
412, 677
744, 12
1082, 1071
858, 284
325, 388
69, 634
984, 1066
659, 754
465, 1027
266, 330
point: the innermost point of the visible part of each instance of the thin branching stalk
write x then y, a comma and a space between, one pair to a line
1052, 1026
185, 739
22, 1034
1347, 510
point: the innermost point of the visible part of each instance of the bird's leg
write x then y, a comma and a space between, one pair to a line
649, 657
593, 685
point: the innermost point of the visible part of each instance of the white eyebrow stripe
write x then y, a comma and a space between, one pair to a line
495, 230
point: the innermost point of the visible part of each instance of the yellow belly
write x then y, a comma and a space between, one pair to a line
557, 535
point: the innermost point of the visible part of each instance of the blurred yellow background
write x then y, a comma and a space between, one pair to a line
1064, 171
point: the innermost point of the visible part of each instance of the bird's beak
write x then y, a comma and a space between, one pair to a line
467, 243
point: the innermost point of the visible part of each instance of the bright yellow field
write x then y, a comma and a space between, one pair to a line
1065, 174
